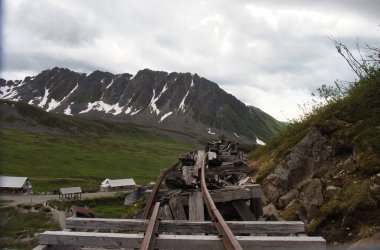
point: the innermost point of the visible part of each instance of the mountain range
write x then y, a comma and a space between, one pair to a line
182, 102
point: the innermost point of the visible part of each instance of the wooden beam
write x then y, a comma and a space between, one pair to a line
179, 241
230, 193
165, 213
196, 207
256, 207
150, 233
237, 227
243, 210
177, 208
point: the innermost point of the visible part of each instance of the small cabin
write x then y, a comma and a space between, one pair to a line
70, 193
15, 185
117, 185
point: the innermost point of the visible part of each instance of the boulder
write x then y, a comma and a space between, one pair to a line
306, 158
284, 200
273, 186
311, 198
270, 211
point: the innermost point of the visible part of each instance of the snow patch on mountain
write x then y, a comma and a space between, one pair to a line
67, 111
129, 110
109, 85
236, 135
71, 92
260, 142
7, 92
102, 106
165, 116
154, 99
44, 98
136, 111
182, 104
52, 105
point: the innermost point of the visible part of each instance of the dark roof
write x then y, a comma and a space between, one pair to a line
83, 210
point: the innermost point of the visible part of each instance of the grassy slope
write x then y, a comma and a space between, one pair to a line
352, 126
85, 153
17, 222
351, 122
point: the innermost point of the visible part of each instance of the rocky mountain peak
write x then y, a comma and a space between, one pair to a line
175, 101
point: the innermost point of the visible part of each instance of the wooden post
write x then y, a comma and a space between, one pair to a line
150, 234
255, 201
244, 212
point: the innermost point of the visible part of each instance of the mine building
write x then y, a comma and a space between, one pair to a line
117, 185
70, 193
15, 185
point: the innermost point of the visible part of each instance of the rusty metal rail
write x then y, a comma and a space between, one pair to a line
153, 196
228, 238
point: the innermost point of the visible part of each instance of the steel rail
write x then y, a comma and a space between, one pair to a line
153, 196
151, 230
228, 238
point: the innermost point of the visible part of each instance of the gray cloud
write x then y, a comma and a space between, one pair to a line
271, 54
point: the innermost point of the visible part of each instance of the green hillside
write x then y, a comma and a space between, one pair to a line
334, 151
79, 152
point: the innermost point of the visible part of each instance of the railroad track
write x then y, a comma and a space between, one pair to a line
166, 225
228, 238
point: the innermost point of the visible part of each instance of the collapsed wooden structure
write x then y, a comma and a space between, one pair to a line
189, 216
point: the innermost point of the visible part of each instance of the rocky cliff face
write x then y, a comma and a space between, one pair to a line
176, 101
325, 170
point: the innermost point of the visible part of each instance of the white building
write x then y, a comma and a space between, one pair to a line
116, 185
70, 193
15, 185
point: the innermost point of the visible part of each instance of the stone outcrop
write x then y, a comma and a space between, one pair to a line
311, 197
297, 168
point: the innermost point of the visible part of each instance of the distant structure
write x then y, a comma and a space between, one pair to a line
82, 211
15, 185
117, 185
70, 193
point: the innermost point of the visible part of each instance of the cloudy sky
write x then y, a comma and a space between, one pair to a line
270, 54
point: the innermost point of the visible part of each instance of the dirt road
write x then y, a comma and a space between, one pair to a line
14, 200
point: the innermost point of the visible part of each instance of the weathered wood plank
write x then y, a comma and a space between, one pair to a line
237, 227
150, 233
230, 193
243, 210
196, 207
256, 207
200, 156
177, 208
179, 241
165, 213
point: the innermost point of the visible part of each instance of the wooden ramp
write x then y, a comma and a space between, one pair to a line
170, 227
167, 237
